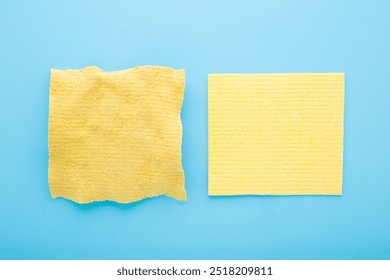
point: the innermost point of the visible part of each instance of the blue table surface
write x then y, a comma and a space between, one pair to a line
202, 37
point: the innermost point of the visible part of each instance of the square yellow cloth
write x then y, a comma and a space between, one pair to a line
275, 134
116, 135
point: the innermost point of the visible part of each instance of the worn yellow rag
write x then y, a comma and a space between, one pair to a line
116, 135
275, 134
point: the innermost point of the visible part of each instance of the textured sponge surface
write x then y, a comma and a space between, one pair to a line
116, 135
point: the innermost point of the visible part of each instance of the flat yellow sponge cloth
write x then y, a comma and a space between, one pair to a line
276, 134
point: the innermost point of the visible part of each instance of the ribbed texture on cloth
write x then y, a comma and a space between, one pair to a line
116, 135
275, 134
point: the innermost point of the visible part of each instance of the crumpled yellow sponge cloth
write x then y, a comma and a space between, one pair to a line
116, 135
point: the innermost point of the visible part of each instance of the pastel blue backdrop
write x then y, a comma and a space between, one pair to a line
202, 36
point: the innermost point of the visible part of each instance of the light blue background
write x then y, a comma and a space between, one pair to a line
202, 36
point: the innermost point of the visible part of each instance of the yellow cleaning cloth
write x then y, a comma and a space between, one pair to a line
275, 134
116, 135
